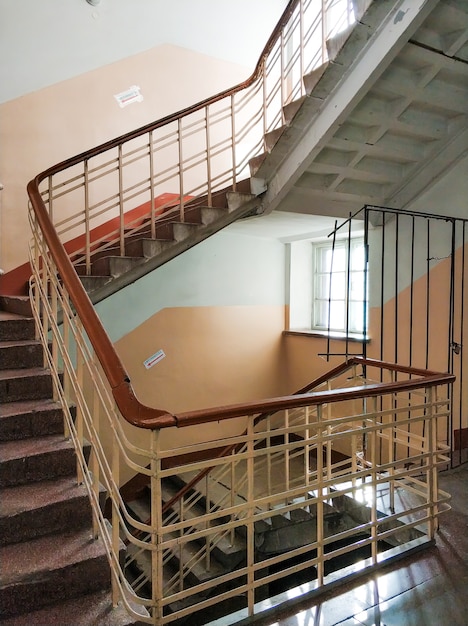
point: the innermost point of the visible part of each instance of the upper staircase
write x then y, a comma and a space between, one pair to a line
148, 244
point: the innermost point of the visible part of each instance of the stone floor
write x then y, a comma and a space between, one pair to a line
429, 588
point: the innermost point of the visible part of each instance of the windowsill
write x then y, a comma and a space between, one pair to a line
325, 335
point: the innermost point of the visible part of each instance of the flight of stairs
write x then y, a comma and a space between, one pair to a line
111, 271
52, 570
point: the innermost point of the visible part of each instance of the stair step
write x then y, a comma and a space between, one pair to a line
30, 418
14, 327
36, 459
41, 508
21, 305
115, 265
147, 247
92, 608
229, 549
90, 283
272, 137
183, 230
25, 384
50, 569
256, 162
290, 109
21, 354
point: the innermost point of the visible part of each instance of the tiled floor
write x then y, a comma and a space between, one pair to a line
429, 588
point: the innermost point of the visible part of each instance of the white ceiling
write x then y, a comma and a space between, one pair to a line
43, 42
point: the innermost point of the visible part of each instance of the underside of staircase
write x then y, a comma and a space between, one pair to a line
143, 253
53, 571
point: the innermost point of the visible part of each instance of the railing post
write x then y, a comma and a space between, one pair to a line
51, 197
431, 448
250, 516
372, 454
233, 144
151, 168
115, 465
181, 170
86, 220
79, 426
157, 587
94, 459
208, 154
121, 203
320, 492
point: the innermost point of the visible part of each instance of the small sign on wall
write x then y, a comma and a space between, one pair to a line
155, 358
128, 97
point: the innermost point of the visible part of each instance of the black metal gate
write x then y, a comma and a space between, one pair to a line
416, 311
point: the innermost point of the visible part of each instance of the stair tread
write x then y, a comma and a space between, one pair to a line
19, 342
22, 448
21, 498
6, 315
19, 407
92, 608
24, 561
10, 374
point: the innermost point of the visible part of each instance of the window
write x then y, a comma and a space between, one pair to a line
327, 286
339, 284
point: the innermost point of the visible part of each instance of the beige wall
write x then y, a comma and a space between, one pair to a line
215, 355
45, 127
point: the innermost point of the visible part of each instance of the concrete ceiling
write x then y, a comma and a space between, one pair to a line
383, 121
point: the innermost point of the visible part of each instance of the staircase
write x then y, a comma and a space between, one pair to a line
52, 569
146, 248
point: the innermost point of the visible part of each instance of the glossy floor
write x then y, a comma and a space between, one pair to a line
429, 588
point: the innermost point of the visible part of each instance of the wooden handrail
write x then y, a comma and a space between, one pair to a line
431, 379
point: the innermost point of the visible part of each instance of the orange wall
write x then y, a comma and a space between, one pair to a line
50, 125
215, 355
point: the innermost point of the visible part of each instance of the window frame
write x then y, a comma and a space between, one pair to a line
321, 273
301, 288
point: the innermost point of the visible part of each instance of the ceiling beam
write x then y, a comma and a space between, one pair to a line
391, 34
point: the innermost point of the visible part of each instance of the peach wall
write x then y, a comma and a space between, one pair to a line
215, 355
50, 125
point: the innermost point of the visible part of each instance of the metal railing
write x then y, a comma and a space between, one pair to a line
344, 469
98, 198
330, 447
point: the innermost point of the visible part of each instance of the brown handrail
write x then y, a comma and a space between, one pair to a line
430, 379
131, 408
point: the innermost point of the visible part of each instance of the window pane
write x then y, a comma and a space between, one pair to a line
337, 316
322, 286
357, 257
356, 316
338, 286
321, 314
357, 286
334, 298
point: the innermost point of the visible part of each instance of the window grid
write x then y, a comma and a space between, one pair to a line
335, 307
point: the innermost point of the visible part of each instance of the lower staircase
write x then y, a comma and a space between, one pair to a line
53, 571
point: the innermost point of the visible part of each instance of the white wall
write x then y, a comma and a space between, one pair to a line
224, 270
